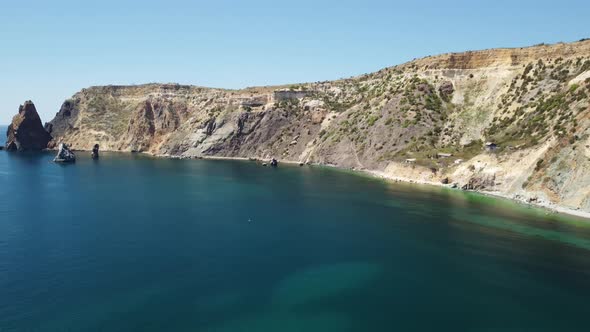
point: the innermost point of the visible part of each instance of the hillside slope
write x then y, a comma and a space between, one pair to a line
426, 120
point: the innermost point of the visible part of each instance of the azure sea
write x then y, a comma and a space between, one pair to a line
134, 243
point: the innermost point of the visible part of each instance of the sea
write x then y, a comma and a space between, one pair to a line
3, 134
134, 243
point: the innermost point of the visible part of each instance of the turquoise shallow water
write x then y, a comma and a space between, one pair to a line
131, 243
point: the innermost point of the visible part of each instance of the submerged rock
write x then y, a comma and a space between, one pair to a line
95, 151
65, 155
26, 132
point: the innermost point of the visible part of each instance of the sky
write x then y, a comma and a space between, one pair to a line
49, 50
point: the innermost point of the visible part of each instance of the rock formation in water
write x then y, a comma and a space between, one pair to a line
26, 132
64, 154
425, 120
95, 151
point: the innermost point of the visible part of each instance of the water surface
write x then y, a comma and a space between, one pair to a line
3, 129
131, 243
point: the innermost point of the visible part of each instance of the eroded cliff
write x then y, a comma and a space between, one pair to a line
426, 120
26, 132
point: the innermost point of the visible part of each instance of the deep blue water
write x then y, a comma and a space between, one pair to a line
131, 243
3, 134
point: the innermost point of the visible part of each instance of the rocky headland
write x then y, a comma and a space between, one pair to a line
510, 122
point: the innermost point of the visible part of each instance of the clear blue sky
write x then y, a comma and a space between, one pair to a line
51, 49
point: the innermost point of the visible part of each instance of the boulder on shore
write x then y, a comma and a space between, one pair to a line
65, 155
26, 132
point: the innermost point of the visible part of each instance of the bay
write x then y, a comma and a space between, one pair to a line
134, 243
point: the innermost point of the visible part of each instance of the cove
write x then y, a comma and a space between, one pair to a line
134, 243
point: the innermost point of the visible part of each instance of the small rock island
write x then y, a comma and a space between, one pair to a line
95, 151
26, 132
65, 155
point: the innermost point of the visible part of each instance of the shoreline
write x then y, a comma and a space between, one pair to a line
550, 207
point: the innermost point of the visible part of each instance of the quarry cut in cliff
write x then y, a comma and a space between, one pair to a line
509, 121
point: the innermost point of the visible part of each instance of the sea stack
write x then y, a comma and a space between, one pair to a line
65, 155
26, 132
95, 151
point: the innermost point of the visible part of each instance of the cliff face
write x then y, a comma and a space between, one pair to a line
26, 131
426, 120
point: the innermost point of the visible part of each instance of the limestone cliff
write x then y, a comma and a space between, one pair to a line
26, 133
426, 120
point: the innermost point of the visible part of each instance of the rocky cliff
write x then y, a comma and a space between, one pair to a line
26, 133
427, 120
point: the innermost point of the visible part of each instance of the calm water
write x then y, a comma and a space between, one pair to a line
3, 134
131, 243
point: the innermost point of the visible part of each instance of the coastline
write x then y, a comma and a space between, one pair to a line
549, 207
